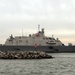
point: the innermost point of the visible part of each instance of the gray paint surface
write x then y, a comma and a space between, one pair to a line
52, 49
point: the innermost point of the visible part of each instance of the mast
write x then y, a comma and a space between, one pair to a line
38, 28
22, 31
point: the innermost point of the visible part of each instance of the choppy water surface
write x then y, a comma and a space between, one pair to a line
62, 64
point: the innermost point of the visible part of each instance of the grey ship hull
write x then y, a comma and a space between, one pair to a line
49, 49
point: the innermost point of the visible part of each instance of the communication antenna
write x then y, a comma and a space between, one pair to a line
52, 36
22, 31
38, 28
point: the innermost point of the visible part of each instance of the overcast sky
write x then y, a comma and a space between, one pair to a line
56, 16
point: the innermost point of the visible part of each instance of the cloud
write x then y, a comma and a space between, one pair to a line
56, 16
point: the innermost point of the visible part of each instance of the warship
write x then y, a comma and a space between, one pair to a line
36, 42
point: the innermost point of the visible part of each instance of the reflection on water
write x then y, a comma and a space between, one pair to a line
62, 64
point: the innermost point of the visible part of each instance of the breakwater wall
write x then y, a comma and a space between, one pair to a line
24, 55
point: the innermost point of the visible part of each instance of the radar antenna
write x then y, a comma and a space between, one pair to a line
38, 28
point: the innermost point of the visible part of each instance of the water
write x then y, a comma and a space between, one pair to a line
62, 64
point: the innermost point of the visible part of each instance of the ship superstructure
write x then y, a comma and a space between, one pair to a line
38, 38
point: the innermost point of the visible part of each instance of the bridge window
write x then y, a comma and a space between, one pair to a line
20, 40
46, 38
20, 37
26, 41
51, 41
10, 40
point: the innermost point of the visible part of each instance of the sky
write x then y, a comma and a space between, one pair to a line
57, 17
